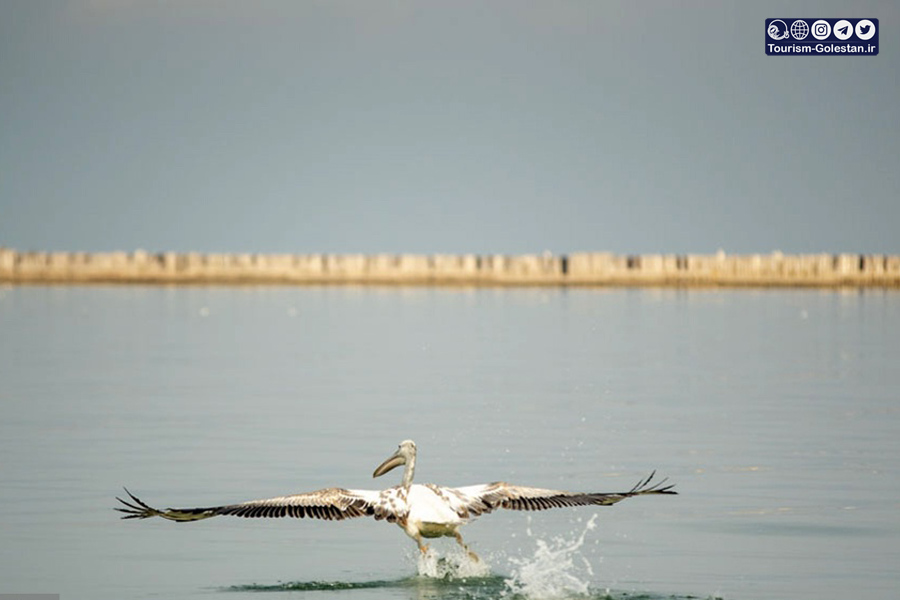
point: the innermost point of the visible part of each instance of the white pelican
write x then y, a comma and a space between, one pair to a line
422, 510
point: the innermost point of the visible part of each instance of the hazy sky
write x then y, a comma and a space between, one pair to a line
401, 126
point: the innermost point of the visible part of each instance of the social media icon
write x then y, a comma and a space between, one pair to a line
843, 29
821, 29
799, 29
865, 29
778, 30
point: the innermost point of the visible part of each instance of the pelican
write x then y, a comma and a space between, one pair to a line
421, 510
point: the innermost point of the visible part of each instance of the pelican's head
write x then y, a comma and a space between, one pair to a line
406, 453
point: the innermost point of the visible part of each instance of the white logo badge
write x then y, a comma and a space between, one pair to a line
778, 30
821, 29
799, 29
843, 29
865, 29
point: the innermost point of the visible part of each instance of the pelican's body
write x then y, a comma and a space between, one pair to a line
421, 510
429, 515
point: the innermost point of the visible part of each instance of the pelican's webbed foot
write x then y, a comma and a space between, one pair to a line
472, 556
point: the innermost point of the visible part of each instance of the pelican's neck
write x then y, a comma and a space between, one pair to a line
409, 471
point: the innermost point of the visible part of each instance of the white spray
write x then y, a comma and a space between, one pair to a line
556, 570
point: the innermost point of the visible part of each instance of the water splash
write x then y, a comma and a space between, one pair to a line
454, 565
556, 570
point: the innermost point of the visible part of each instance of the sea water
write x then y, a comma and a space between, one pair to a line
775, 413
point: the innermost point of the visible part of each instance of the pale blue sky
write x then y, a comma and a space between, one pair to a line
486, 127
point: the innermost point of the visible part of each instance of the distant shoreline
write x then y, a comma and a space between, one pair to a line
576, 269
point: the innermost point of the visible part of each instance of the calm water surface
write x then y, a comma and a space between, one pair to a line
775, 412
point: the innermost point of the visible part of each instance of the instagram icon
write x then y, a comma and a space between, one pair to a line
821, 29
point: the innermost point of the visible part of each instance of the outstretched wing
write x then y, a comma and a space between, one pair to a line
477, 499
333, 504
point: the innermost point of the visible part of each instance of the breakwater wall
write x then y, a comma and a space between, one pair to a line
583, 268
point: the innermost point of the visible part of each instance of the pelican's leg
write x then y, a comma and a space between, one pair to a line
412, 531
460, 541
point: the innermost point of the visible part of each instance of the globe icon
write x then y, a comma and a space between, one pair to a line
799, 29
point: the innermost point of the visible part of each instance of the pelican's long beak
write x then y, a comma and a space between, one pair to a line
393, 462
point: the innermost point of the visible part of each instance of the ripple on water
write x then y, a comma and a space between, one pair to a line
556, 571
471, 588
